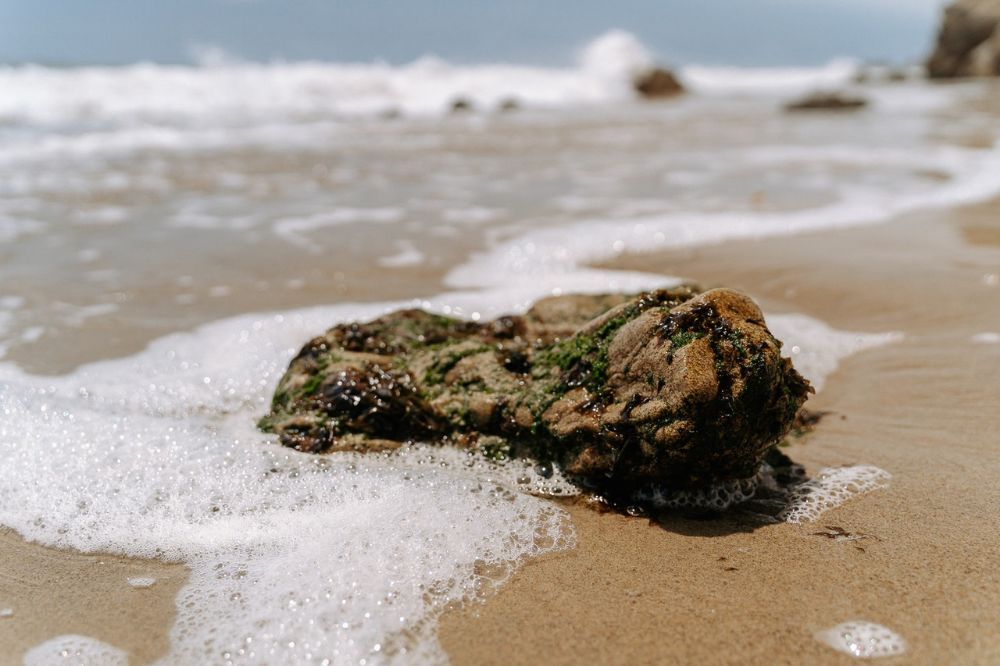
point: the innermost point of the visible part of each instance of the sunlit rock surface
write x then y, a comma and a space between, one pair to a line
968, 42
672, 387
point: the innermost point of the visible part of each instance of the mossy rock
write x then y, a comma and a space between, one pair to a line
671, 386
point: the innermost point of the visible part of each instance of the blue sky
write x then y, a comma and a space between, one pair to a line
738, 32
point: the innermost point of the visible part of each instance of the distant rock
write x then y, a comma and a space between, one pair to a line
968, 43
657, 83
669, 387
827, 101
462, 105
508, 104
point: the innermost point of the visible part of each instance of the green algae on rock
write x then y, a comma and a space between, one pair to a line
671, 387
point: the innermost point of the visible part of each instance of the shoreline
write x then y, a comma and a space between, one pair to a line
629, 580
918, 559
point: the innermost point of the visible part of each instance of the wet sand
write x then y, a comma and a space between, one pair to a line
712, 592
925, 559
54, 592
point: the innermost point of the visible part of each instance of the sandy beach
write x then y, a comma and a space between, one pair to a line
372, 335
922, 556
919, 557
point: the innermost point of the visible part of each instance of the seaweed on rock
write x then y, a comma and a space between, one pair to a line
670, 387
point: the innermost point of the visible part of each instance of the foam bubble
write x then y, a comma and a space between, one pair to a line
829, 488
863, 639
75, 650
716, 497
141, 582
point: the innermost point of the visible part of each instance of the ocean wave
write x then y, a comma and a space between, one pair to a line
235, 92
230, 92
558, 255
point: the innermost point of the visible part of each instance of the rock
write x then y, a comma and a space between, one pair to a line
827, 101
657, 83
668, 387
508, 104
461, 105
968, 43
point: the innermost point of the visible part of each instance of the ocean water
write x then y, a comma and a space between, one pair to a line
169, 237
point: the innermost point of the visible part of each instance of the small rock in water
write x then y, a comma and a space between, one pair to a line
462, 105
670, 387
827, 101
658, 83
864, 640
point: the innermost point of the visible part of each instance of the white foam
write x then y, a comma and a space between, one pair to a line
12, 228
294, 229
473, 214
986, 338
717, 497
6, 613
408, 255
816, 349
560, 252
784, 80
863, 639
830, 488
156, 456
616, 58
238, 91
141, 582
75, 650
805, 502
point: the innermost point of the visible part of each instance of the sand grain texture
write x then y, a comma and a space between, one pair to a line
924, 563
923, 559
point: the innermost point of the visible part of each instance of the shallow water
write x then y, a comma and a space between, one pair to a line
126, 216
129, 221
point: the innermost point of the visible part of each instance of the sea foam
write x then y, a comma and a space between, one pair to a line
863, 639
243, 91
75, 650
831, 487
156, 455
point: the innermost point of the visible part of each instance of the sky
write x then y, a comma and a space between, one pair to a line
544, 32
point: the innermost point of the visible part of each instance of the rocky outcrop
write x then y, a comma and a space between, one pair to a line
670, 387
968, 42
827, 101
657, 83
